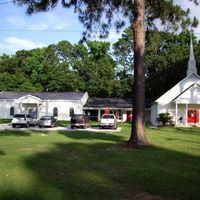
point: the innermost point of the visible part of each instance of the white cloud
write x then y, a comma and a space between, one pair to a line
38, 26
13, 44
57, 22
40, 22
16, 20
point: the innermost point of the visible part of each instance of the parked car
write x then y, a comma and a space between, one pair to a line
47, 121
23, 120
79, 120
108, 121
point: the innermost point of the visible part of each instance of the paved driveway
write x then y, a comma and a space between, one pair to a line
58, 128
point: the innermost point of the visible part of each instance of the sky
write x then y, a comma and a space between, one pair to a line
20, 31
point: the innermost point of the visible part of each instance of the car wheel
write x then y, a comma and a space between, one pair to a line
72, 127
13, 125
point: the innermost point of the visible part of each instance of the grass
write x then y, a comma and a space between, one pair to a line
81, 165
5, 121
62, 123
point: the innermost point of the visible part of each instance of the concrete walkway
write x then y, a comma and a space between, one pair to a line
8, 127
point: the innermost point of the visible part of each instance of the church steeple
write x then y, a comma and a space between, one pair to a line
192, 62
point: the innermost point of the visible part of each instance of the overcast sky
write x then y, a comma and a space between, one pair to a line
14, 23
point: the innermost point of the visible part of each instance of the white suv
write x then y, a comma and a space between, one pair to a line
108, 121
22, 120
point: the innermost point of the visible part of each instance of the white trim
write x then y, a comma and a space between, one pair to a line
176, 114
186, 114
31, 96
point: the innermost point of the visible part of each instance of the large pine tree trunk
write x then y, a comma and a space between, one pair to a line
137, 137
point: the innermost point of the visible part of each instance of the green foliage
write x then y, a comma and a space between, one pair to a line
164, 118
167, 55
60, 67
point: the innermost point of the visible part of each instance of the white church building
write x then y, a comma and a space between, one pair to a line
182, 101
61, 105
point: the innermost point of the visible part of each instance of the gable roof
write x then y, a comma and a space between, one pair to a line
183, 92
180, 87
44, 95
192, 90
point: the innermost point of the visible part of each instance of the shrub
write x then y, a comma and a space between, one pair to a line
164, 118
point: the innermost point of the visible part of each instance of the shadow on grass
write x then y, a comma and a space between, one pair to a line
12, 194
98, 170
82, 135
2, 153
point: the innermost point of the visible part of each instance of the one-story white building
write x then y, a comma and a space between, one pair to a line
61, 105
183, 100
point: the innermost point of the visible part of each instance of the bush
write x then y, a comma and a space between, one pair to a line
164, 118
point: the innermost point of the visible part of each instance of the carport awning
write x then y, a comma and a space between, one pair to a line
108, 103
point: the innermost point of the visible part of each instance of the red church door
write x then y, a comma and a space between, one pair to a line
129, 116
193, 116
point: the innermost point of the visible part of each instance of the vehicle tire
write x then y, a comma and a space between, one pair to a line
72, 127
13, 125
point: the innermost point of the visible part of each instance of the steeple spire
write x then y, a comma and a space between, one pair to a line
192, 62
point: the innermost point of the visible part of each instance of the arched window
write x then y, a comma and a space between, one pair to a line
55, 112
12, 111
71, 112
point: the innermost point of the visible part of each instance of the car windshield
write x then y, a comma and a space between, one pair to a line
76, 117
108, 116
45, 118
19, 116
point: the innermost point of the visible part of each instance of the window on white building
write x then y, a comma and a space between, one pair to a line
55, 112
71, 112
12, 111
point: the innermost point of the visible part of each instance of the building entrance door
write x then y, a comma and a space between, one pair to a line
193, 116
33, 112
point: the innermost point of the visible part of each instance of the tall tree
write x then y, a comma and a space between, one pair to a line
96, 14
95, 67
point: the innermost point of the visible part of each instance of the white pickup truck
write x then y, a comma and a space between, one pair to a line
108, 121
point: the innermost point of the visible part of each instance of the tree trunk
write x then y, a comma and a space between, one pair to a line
137, 136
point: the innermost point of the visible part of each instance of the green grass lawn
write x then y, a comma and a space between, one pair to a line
5, 121
81, 165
